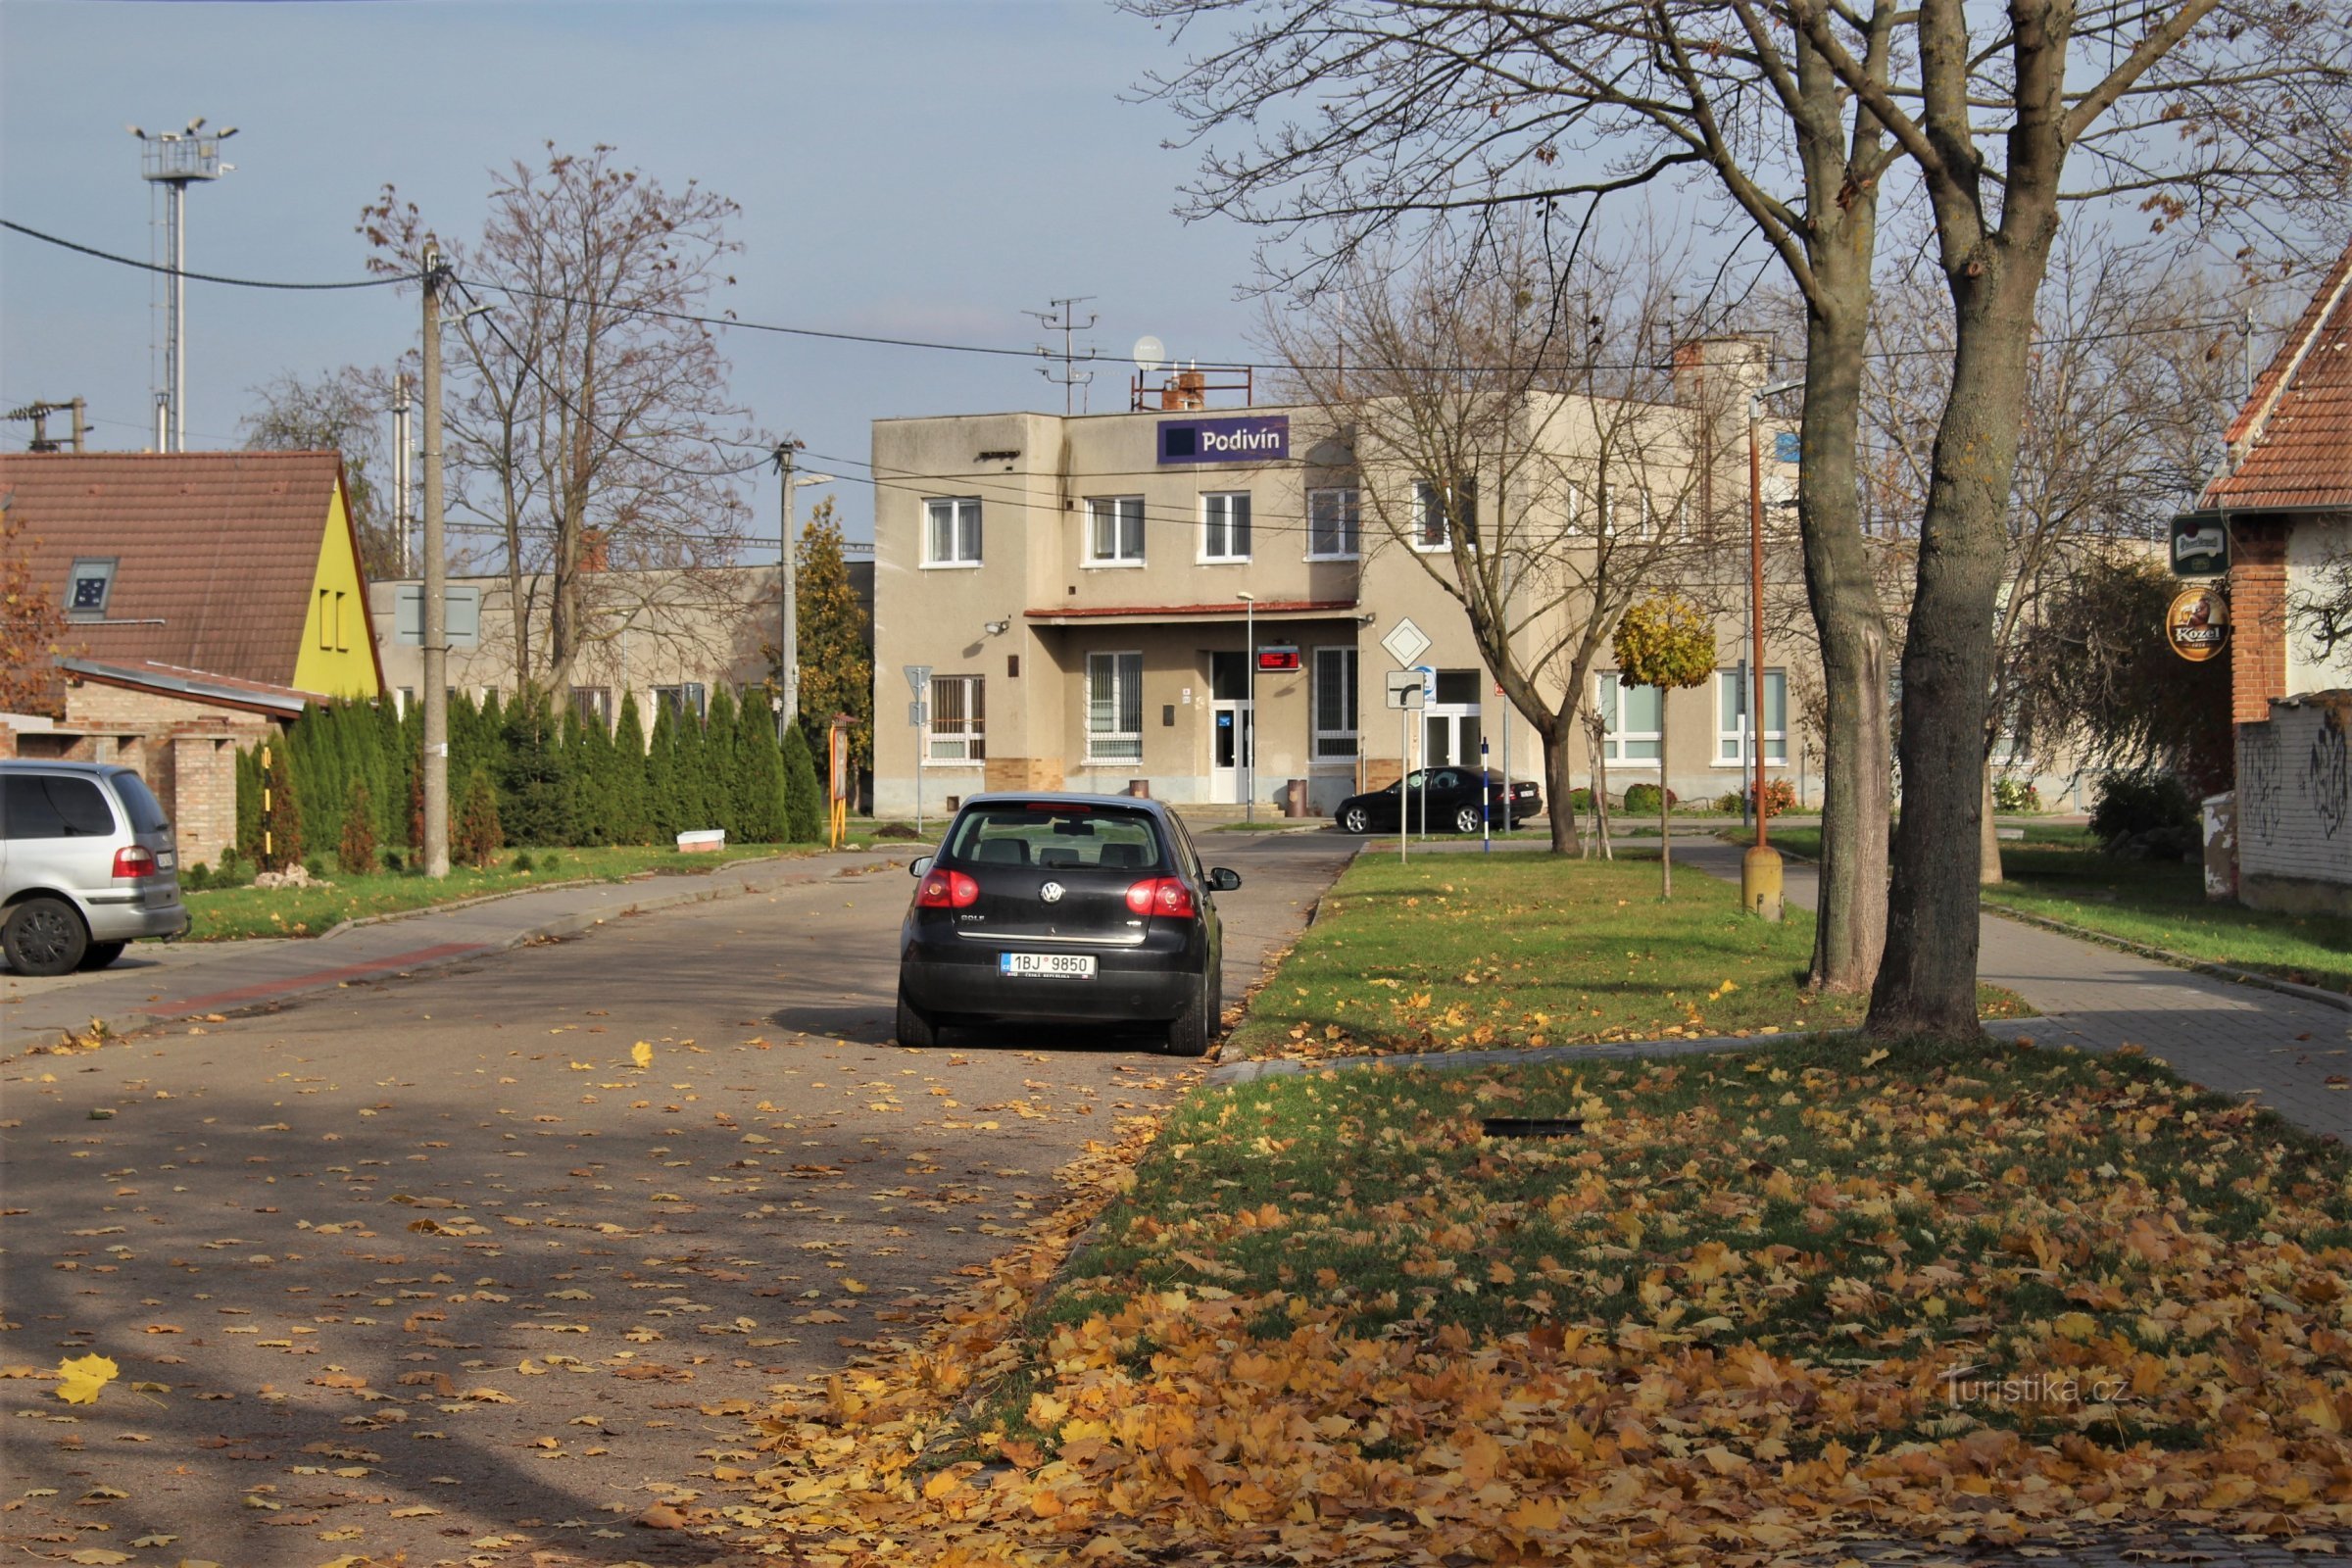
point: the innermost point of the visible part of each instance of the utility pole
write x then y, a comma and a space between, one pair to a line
1062, 319
401, 510
436, 586
38, 413
788, 650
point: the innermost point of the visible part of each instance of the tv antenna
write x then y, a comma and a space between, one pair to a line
1062, 319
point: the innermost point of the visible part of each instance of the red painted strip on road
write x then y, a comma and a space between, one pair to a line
317, 979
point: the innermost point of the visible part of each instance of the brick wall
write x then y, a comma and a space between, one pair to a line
185, 751
2257, 619
2294, 807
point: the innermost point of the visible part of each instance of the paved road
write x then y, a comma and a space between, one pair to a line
429, 1266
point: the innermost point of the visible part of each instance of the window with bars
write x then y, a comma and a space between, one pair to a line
1335, 704
689, 697
951, 531
1630, 717
1114, 531
1225, 526
959, 719
1732, 693
1114, 708
594, 705
1330, 524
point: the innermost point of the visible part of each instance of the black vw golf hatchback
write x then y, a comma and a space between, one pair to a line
1064, 909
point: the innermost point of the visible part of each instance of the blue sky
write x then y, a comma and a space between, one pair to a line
908, 170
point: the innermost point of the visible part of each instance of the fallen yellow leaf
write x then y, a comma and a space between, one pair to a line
80, 1379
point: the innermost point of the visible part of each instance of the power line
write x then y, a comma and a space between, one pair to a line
201, 277
1089, 356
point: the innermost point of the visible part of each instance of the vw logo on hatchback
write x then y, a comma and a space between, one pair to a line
1051, 893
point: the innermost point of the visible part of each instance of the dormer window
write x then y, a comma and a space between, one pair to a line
93, 583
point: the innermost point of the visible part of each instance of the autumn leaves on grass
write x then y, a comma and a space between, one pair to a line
1456, 951
1761, 1299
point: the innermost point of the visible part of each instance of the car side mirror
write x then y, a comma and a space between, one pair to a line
922, 863
1220, 880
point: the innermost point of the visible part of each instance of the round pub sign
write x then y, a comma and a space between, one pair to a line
2197, 623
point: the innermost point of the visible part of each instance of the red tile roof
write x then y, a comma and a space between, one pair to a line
2292, 441
1232, 608
216, 551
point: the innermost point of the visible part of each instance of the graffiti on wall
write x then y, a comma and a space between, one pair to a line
2258, 802
2327, 775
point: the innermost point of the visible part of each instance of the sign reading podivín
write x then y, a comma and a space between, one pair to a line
1235, 438
2197, 623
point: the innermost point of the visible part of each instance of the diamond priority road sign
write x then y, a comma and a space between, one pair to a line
1406, 642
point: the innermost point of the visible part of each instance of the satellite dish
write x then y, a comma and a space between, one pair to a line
1149, 353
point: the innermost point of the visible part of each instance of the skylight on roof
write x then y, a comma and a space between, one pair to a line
93, 583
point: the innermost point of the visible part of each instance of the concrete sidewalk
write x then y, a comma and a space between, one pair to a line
153, 983
2288, 1052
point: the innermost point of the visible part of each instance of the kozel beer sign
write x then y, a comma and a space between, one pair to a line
2197, 623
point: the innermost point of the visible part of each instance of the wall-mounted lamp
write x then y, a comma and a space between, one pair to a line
997, 628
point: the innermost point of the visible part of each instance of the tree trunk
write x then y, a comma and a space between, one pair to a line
1927, 982
1556, 792
1665, 839
1988, 838
1850, 930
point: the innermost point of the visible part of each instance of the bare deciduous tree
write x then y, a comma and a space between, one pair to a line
343, 410
1510, 442
591, 415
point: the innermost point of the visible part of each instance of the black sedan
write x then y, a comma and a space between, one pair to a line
1452, 796
1064, 909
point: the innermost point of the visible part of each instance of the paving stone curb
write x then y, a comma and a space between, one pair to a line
2179, 961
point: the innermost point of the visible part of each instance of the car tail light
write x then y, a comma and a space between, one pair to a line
947, 889
135, 860
1163, 895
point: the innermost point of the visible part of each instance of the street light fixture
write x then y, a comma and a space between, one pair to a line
1248, 735
1760, 871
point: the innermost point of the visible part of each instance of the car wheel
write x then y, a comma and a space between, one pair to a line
1191, 1031
917, 1030
98, 954
43, 937
1465, 821
1355, 819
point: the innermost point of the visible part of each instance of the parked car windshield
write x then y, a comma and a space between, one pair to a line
146, 811
1054, 835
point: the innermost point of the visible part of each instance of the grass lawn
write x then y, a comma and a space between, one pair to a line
1468, 951
249, 912
1757, 1302
2059, 873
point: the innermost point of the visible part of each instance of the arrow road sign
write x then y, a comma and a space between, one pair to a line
1406, 689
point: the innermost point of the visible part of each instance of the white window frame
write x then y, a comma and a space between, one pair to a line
1114, 660
1607, 696
1333, 744
1726, 736
966, 739
1119, 558
964, 533
1224, 527
1350, 504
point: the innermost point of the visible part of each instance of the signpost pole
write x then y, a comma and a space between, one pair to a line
1486, 827
1404, 776
918, 719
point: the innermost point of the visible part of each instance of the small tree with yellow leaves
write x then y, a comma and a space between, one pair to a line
1668, 642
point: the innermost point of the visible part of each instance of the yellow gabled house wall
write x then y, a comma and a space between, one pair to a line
338, 642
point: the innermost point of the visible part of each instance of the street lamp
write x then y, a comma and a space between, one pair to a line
1760, 871
788, 652
1248, 737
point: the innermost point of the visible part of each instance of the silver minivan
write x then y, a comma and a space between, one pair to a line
88, 865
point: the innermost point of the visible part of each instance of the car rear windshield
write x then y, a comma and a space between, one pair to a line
146, 811
53, 805
1072, 837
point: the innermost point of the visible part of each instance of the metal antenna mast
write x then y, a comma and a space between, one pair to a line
174, 158
1062, 319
